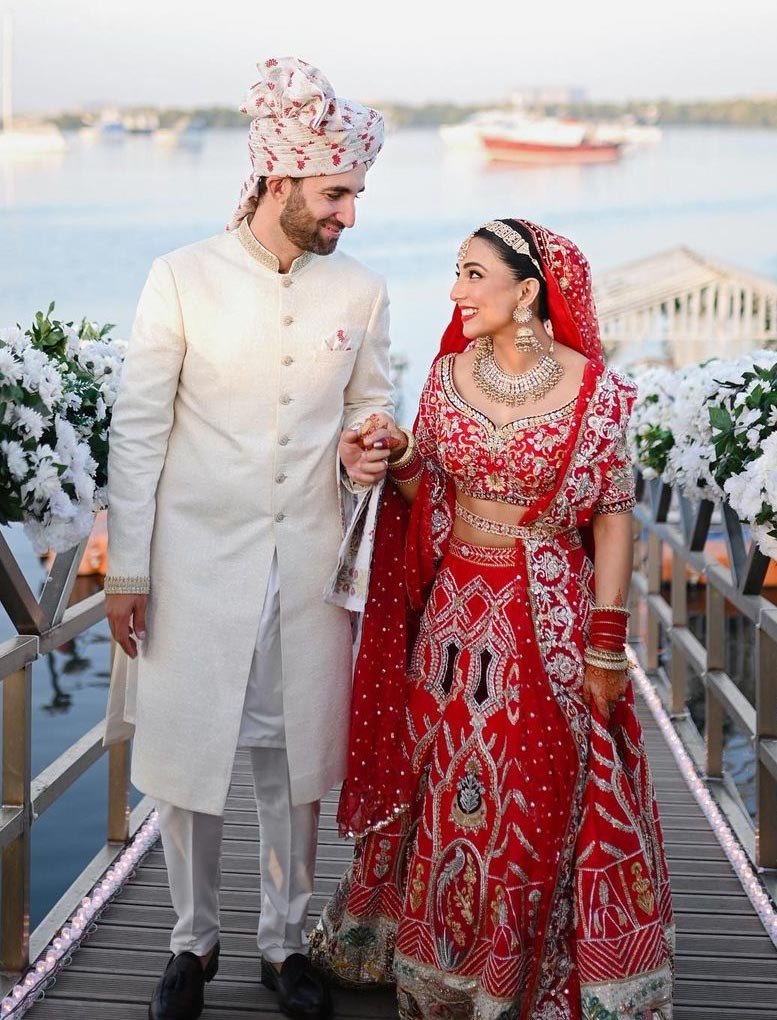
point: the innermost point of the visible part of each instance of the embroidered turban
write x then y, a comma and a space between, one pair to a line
302, 129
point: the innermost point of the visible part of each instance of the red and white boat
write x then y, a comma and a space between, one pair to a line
542, 140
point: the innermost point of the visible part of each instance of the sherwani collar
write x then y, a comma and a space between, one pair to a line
262, 255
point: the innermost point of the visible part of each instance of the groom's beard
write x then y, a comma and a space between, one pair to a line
303, 230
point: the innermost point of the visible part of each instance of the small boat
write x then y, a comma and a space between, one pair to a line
627, 131
542, 140
22, 139
186, 132
32, 140
141, 123
468, 134
520, 135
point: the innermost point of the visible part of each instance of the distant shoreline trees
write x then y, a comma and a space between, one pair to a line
753, 112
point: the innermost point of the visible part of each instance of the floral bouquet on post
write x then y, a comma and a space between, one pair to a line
57, 387
744, 436
711, 430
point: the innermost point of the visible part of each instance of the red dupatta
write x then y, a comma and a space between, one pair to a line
379, 783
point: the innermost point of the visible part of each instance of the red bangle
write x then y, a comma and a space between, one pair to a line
410, 471
609, 628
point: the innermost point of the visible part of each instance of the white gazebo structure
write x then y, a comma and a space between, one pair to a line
679, 308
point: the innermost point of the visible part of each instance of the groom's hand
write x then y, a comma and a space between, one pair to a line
365, 464
127, 619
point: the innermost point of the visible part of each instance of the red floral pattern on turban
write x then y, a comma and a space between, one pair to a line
302, 129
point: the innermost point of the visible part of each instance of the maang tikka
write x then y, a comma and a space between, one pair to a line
525, 339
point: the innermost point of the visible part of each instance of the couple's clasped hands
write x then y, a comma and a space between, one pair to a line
366, 448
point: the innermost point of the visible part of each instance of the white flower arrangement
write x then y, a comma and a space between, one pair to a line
650, 428
57, 387
688, 461
711, 430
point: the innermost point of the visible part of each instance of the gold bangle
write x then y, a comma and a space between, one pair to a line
609, 667
407, 456
611, 661
611, 609
604, 653
411, 480
616, 657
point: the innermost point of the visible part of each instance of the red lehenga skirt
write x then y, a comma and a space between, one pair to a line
527, 882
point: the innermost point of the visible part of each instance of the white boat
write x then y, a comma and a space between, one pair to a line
536, 139
187, 132
627, 131
140, 123
468, 134
32, 141
23, 139
524, 137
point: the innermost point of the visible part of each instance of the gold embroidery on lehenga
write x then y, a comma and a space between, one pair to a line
641, 886
462, 897
383, 859
468, 810
498, 908
417, 887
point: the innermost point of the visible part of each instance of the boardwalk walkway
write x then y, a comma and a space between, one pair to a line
727, 965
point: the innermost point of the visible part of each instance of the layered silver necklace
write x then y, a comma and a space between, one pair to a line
504, 387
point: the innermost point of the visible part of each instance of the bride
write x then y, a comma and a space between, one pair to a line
509, 862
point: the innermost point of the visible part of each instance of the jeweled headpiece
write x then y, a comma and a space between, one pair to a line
511, 238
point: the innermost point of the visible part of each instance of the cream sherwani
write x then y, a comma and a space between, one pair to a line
223, 454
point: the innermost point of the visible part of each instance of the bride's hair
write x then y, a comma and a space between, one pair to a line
521, 266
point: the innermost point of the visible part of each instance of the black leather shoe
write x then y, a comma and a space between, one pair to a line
180, 992
301, 992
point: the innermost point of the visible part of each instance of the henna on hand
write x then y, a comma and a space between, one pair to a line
375, 423
605, 687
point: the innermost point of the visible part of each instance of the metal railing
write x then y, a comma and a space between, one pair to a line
666, 522
43, 624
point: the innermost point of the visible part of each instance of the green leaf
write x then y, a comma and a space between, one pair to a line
720, 419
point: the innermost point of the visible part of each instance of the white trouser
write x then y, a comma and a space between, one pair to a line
192, 845
261, 724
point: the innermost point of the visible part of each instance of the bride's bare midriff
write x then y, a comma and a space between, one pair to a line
503, 513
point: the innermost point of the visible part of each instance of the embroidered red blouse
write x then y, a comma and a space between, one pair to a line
517, 463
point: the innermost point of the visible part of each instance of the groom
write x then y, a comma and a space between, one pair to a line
249, 353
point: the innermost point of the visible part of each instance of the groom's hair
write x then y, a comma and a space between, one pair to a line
261, 187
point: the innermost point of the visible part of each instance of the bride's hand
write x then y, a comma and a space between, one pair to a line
379, 432
604, 687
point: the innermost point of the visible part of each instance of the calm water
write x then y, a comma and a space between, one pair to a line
82, 229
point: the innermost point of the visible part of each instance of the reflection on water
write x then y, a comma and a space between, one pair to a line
72, 659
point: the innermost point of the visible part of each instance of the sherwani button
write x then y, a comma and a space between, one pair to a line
280, 477
280, 516
287, 320
285, 398
286, 281
287, 360
283, 440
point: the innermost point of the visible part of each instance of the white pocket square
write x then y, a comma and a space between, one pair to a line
337, 341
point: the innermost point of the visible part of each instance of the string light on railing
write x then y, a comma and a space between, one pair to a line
34, 983
740, 862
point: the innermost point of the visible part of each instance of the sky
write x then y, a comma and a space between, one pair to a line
74, 53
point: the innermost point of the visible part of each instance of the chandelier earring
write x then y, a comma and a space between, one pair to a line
525, 339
